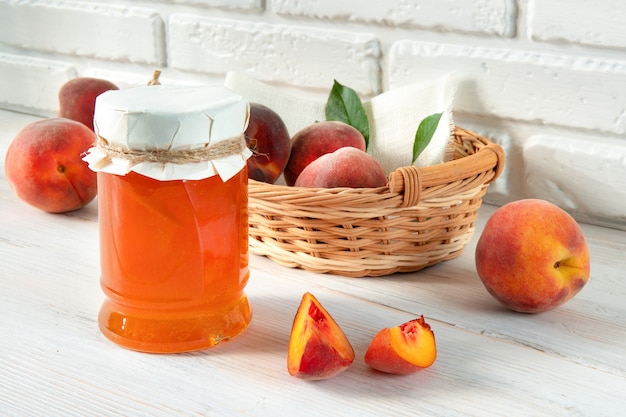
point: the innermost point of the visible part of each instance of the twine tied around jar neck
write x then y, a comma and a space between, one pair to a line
208, 152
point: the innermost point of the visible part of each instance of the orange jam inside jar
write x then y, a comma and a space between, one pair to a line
173, 251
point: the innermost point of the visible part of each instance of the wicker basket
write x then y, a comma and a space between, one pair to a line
425, 216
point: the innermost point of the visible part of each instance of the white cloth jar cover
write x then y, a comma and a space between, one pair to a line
170, 120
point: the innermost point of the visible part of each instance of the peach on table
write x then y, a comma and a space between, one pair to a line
532, 256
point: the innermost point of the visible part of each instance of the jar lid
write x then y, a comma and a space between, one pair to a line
170, 132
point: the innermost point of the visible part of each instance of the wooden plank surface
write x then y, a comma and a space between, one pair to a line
54, 362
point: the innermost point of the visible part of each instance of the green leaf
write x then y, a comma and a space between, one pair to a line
344, 105
425, 133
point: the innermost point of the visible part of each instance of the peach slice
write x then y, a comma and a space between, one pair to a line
403, 349
318, 348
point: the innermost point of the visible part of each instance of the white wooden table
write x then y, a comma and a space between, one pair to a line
491, 362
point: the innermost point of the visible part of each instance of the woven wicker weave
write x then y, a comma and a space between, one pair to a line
425, 216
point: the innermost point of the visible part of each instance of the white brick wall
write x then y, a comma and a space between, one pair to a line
595, 23
494, 17
248, 5
546, 79
528, 85
275, 52
84, 29
577, 178
34, 82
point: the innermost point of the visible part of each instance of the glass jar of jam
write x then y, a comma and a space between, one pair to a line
173, 216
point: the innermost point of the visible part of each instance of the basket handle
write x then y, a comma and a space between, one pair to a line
411, 180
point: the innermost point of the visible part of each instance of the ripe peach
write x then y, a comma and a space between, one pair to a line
269, 140
316, 140
532, 256
403, 349
345, 167
44, 168
77, 98
318, 348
